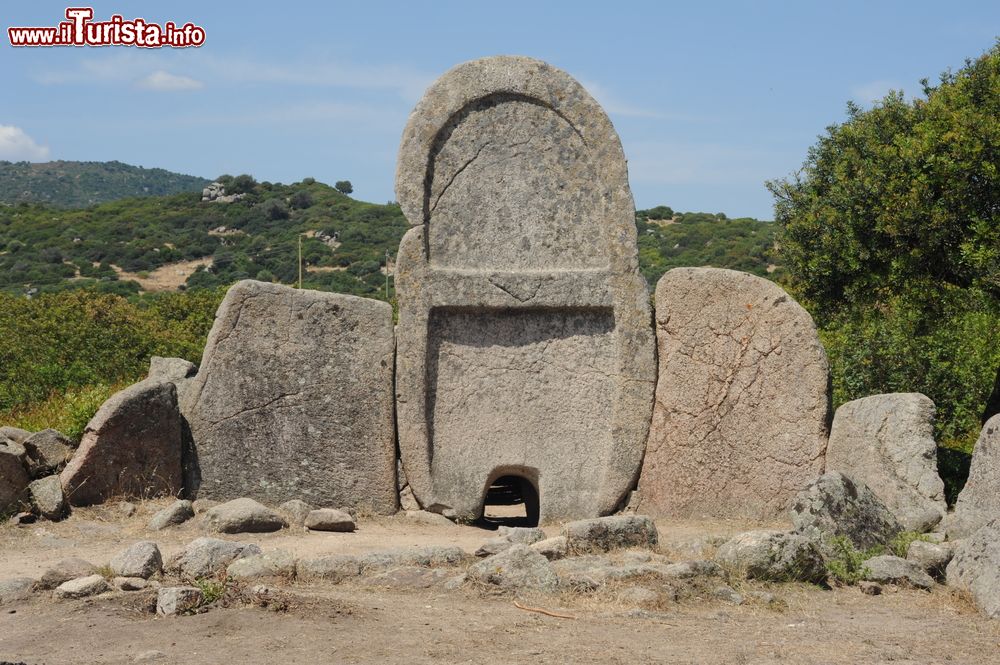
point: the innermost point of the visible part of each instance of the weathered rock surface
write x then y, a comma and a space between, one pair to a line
294, 399
608, 533
976, 568
206, 556
333, 567
329, 519
887, 443
48, 452
553, 549
131, 447
518, 568
66, 570
742, 400
932, 558
430, 555
14, 478
177, 600
83, 587
410, 577
15, 589
835, 505
887, 569
140, 559
524, 345
178, 512
493, 546
296, 510
277, 563
131, 583
170, 369
47, 497
521, 534
243, 516
430, 519
15, 434
979, 501
776, 556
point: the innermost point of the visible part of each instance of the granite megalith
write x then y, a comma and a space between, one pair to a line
887, 442
293, 400
742, 400
524, 344
979, 500
131, 447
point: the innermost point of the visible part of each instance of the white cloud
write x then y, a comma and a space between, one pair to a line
17, 146
162, 81
873, 91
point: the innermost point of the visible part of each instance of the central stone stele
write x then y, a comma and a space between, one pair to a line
525, 344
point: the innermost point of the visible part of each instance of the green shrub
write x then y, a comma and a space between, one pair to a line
846, 566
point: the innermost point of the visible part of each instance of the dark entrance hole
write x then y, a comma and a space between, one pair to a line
510, 501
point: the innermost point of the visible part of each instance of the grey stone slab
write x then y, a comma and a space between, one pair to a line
524, 338
979, 501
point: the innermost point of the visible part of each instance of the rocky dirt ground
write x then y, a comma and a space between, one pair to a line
365, 621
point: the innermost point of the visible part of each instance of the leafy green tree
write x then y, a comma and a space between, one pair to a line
344, 186
242, 184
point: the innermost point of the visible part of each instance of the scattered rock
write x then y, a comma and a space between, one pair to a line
277, 563
887, 569
455, 582
932, 558
431, 555
411, 577
976, 568
870, 588
493, 546
521, 534
203, 557
47, 497
887, 443
608, 533
140, 559
835, 505
48, 452
728, 594
515, 569
176, 600
333, 567
130, 583
243, 516
329, 519
14, 479
83, 587
296, 510
776, 556
979, 501
428, 518
15, 434
131, 447
553, 549
64, 571
14, 448
15, 589
178, 512
204, 505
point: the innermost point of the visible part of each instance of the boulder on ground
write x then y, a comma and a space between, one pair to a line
14, 479
48, 452
178, 512
521, 534
15, 589
277, 563
203, 557
177, 600
47, 497
979, 501
777, 556
294, 400
887, 569
296, 510
492, 546
329, 519
131, 447
518, 568
15, 434
932, 558
553, 549
604, 534
66, 570
243, 516
887, 443
140, 559
740, 420
83, 587
976, 568
836, 505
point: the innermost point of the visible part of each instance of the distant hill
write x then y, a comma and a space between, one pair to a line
77, 184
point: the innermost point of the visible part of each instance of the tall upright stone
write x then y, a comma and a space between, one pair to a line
293, 400
742, 401
524, 340
979, 501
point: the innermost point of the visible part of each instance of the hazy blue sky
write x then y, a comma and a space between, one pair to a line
710, 98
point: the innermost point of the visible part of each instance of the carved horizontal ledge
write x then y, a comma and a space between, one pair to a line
465, 288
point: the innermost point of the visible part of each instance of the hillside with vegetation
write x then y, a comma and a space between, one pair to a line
76, 184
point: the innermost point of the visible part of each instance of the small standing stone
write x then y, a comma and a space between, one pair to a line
887, 569
47, 497
176, 600
243, 516
141, 559
296, 510
608, 533
836, 505
517, 568
933, 558
14, 478
329, 519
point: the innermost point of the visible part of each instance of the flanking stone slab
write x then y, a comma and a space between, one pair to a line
742, 399
131, 447
979, 501
293, 400
887, 443
524, 340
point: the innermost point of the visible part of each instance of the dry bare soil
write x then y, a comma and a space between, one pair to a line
356, 622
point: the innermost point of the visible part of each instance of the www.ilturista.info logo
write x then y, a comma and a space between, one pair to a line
80, 30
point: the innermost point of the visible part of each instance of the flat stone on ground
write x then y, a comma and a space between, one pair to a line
83, 587
243, 516
329, 519
178, 512
608, 533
